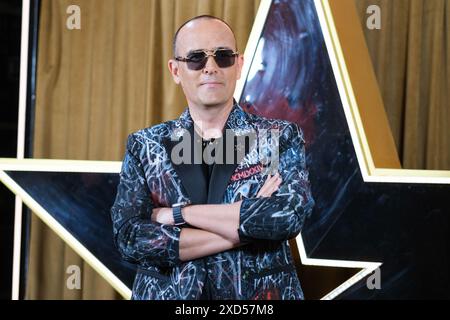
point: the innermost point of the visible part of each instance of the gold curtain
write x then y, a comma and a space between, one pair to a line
94, 87
411, 57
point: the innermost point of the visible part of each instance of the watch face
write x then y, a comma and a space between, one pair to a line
179, 204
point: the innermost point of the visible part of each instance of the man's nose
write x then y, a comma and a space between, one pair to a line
211, 65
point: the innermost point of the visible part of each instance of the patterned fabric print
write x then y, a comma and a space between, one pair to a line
280, 286
260, 269
131, 216
281, 216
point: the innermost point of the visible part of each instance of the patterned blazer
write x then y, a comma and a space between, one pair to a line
263, 267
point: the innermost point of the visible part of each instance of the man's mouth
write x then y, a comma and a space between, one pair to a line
211, 83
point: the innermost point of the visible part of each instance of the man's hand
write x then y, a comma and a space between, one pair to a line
270, 186
163, 215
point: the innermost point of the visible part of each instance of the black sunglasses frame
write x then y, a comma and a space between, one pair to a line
225, 61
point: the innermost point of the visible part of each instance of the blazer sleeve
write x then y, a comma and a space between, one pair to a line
281, 216
137, 238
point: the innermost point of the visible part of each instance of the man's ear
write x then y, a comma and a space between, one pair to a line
174, 70
240, 64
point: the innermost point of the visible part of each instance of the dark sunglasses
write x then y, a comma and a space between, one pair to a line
196, 60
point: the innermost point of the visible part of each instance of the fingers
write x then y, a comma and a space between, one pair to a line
270, 185
275, 184
263, 189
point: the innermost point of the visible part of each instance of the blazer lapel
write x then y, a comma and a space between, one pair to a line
220, 176
190, 174
236, 125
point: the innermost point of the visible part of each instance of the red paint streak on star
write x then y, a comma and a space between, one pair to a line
280, 109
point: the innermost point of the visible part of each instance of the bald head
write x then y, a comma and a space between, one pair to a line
213, 84
191, 24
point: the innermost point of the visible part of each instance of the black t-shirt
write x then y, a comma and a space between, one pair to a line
207, 168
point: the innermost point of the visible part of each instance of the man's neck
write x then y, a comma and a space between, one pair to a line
210, 121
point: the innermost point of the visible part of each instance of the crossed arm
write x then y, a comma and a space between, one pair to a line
215, 232
144, 234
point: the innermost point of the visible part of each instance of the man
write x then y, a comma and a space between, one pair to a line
202, 230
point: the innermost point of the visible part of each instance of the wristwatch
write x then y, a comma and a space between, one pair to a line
176, 212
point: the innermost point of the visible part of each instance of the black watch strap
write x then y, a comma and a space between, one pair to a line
177, 216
